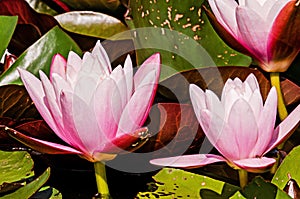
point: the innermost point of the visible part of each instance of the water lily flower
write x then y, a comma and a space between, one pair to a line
267, 30
97, 111
240, 126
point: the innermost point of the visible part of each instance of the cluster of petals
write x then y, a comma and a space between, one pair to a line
267, 30
240, 126
97, 111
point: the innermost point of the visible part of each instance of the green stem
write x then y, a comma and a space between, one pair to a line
101, 180
243, 175
275, 81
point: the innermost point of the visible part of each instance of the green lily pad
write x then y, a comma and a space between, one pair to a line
47, 192
289, 167
30, 188
15, 166
237, 195
261, 189
39, 55
8, 25
90, 23
181, 32
175, 183
258, 189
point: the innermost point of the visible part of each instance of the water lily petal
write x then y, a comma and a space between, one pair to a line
214, 104
50, 98
35, 89
74, 64
243, 123
252, 82
58, 66
253, 32
40, 145
256, 103
266, 123
102, 57
128, 71
59, 84
152, 63
285, 128
225, 13
282, 50
68, 126
219, 133
86, 125
92, 67
255, 164
85, 87
136, 111
127, 141
107, 105
120, 85
188, 161
197, 97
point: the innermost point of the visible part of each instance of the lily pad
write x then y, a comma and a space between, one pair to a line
261, 189
90, 23
8, 25
258, 189
181, 32
29, 189
175, 183
176, 131
15, 103
93, 4
39, 55
289, 167
15, 166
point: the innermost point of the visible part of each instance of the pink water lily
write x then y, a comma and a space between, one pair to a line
97, 111
240, 126
267, 30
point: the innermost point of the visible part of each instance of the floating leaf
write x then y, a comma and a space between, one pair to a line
90, 23
8, 25
291, 92
30, 188
175, 183
92, 4
213, 78
15, 166
47, 192
31, 25
261, 189
175, 128
39, 55
42, 7
288, 168
177, 86
15, 103
181, 32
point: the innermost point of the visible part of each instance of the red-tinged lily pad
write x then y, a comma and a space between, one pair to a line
109, 5
36, 24
16, 103
291, 92
177, 130
214, 78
